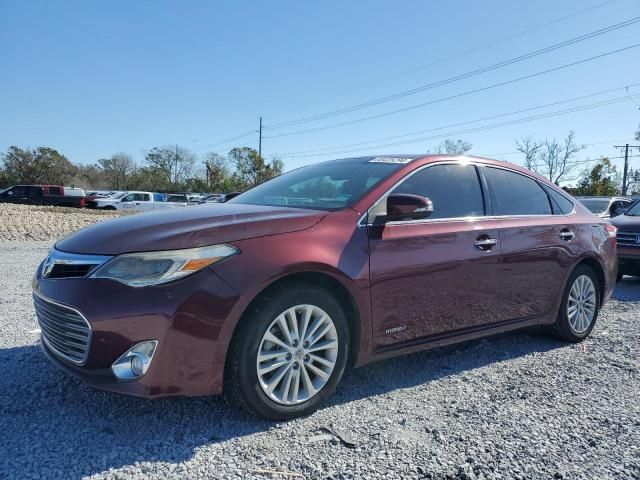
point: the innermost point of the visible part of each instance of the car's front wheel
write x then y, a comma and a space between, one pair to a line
580, 306
289, 353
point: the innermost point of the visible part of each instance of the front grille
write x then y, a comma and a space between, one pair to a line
64, 330
70, 265
70, 270
628, 239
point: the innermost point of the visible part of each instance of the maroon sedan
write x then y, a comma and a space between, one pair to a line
271, 295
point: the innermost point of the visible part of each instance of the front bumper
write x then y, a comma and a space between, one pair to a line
192, 319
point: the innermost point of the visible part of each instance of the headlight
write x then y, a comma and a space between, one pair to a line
154, 268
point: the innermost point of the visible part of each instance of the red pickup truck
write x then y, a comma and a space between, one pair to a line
42, 195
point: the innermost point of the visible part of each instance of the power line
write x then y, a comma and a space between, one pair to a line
456, 78
586, 160
211, 145
472, 130
469, 51
584, 144
492, 117
459, 95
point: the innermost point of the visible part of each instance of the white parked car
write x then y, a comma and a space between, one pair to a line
141, 202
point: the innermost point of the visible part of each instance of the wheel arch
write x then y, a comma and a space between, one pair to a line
598, 269
320, 279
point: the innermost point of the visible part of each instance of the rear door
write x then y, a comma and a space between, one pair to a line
439, 275
539, 242
143, 202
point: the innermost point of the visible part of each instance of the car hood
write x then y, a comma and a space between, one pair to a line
626, 223
190, 227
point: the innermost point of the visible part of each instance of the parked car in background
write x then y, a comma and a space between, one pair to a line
140, 202
195, 198
607, 207
42, 195
272, 294
628, 238
74, 192
212, 198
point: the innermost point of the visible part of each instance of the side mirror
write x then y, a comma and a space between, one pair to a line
403, 207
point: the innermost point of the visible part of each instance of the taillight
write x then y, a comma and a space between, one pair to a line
611, 231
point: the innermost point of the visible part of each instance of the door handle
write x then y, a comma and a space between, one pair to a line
566, 235
485, 243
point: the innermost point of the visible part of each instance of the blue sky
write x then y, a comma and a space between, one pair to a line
95, 78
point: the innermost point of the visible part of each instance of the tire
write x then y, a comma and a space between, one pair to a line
249, 389
575, 328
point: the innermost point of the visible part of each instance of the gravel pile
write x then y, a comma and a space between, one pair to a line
516, 406
29, 222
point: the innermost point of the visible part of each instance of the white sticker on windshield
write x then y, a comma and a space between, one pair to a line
391, 160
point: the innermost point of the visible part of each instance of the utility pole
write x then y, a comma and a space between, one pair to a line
176, 162
626, 165
260, 139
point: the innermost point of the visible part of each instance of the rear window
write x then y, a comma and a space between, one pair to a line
516, 194
561, 204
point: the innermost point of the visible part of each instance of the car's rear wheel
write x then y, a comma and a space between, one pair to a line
289, 353
580, 306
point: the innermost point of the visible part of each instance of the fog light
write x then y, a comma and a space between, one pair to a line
135, 362
137, 365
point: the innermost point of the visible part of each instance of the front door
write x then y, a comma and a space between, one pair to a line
436, 276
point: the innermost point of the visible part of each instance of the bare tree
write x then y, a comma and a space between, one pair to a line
530, 148
552, 158
454, 147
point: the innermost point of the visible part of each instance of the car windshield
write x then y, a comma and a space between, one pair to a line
634, 211
330, 185
596, 205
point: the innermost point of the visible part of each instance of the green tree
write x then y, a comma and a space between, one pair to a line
41, 165
601, 179
251, 168
217, 171
116, 170
172, 164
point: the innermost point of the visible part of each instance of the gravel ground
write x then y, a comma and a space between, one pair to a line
28, 222
514, 406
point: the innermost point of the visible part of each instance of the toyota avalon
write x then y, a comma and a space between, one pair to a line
270, 296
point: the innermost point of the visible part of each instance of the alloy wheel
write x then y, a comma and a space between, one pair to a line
581, 304
297, 354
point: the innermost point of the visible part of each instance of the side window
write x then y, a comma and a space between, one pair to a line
516, 194
19, 191
128, 198
141, 197
561, 204
33, 192
54, 191
453, 189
